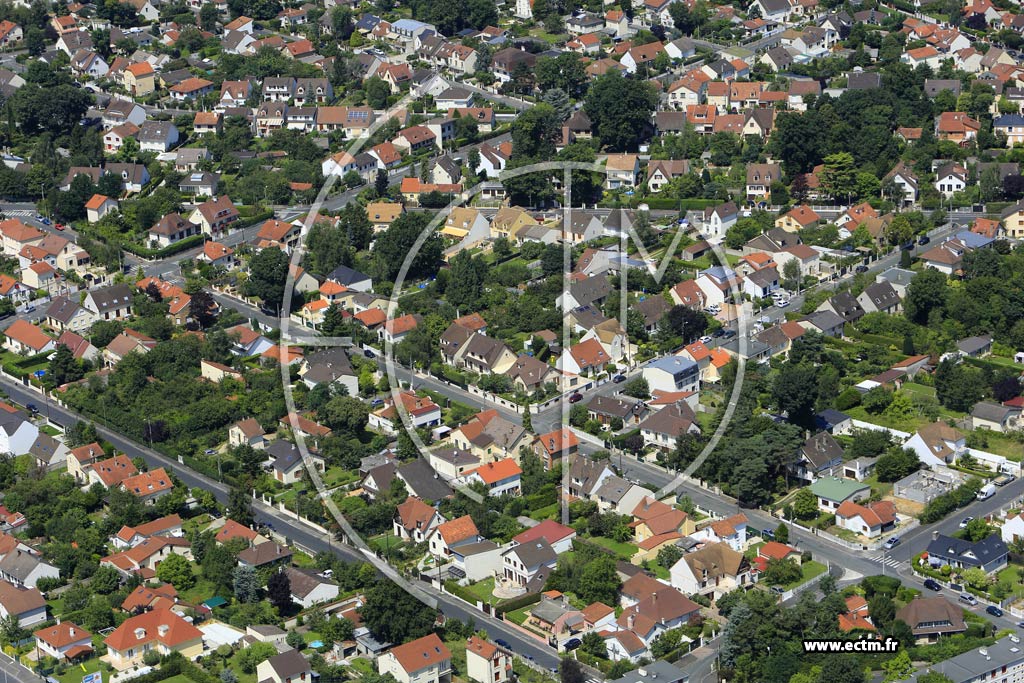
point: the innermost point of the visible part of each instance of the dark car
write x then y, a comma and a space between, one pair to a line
618, 379
861, 269
932, 585
908, 246
368, 353
32, 408
728, 334
576, 398
767, 534
924, 239
717, 334
994, 611
502, 642
572, 644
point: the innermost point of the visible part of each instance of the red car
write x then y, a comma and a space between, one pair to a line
59, 226
575, 398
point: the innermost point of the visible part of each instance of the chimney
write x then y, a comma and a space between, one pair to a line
630, 621
71, 630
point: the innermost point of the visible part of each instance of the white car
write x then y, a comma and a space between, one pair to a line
705, 340
782, 303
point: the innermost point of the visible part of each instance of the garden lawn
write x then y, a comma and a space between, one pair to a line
809, 570
519, 616
624, 550
1009, 577
363, 666
74, 673
483, 591
546, 512
203, 590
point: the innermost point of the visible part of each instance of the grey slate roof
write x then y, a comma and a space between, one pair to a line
422, 481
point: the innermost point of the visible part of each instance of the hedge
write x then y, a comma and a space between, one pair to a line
512, 604
17, 368
665, 203
452, 586
164, 252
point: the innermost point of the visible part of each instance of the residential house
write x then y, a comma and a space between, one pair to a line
818, 457
664, 427
160, 630
424, 660
930, 618
713, 570
937, 444
870, 521
415, 520
27, 605
309, 588
832, 492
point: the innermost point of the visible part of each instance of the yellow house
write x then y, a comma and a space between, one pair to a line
653, 518
797, 219
217, 372
509, 220
139, 79
161, 631
1013, 221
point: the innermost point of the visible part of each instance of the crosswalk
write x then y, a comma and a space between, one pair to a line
21, 213
885, 560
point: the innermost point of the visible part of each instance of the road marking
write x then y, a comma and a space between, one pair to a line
21, 212
887, 561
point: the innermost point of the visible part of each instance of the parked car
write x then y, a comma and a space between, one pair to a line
924, 239
908, 246
861, 269
619, 379
32, 408
575, 398
728, 334
572, 644
1003, 479
210, 451
705, 339
368, 353
968, 599
502, 642
932, 585
376, 402
994, 611
59, 226
892, 543
768, 534
965, 521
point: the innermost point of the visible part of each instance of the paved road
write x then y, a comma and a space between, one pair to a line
285, 525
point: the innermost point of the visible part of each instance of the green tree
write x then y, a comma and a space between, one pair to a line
805, 504
620, 109
782, 533
392, 246
63, 367
268, 272
177, 571
795, 391
782, 572
245, 584
395, 616
279, 591
240, 503
599, 581
838, 176
465, 286
926, 294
